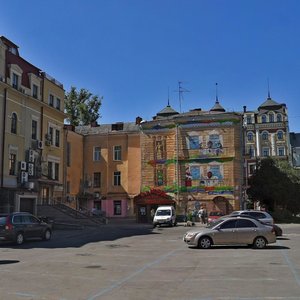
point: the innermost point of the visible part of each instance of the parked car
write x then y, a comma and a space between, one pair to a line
258, 214
165, 215
214, 215
277, 229
20, 226
232, 231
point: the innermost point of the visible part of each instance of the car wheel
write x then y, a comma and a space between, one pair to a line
204, 242
19, 238
259, 242
47, 235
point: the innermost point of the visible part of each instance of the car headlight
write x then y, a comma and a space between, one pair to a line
190, 235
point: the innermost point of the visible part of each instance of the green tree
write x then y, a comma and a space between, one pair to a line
275, 184
82, 107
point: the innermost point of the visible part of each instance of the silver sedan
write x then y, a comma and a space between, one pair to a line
232, 231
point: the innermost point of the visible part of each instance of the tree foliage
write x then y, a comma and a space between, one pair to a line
82, 107
275, 184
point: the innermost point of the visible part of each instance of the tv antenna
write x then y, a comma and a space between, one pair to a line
180, 91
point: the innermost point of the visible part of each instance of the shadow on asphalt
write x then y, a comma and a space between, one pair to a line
78, 238
269, 247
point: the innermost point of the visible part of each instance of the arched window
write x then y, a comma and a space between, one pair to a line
280, 135
265, 136
14, 120
271, 117
279, 118
250, 136
264, 119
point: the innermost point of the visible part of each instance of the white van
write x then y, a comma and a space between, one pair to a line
165, 215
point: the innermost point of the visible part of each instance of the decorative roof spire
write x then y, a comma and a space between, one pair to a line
269, 97
217, 107
217, 99
168, 96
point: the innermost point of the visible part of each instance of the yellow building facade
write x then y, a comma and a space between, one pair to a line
32, 114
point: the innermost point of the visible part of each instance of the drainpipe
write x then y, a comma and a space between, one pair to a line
3, 135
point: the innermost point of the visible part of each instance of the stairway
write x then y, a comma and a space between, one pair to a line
64, 216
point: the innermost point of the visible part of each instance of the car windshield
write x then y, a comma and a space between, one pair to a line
213, 224
2, 220
216, 213
165, 212
234, 213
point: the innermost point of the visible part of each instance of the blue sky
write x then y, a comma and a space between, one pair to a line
132, 52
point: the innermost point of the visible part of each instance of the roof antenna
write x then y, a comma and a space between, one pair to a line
180, 91
269, 97
217, 99
168, 96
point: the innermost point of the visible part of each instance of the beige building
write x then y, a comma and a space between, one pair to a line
32, 117
111, 175
195, 157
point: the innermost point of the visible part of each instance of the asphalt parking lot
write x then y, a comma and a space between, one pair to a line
131, 261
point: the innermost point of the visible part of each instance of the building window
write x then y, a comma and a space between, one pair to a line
51, 135
97, 153
251, 151
34, 129
14, 121
159, 176
159, 149
194, 142
265, 136
117, 152
58, 103
280, 135
249, 120
250, 136
117, 208
117, 178
280, 151
35, 91
12, 163
56, 171
252, 169
215, 172
50, 170
68, 154
266, 152
51, 100
195, 172
271, 117
279, 118
57, 136
15, 81
264, 119
97, 180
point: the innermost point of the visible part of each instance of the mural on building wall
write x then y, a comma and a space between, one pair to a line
202, 166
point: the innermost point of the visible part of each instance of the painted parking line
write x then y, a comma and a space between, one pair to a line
133, 275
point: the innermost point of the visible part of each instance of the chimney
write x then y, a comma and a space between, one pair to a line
245, 108
138, 120
94, 124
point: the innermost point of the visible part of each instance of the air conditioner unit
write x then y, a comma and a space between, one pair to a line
30, 155
29, 185
40, 144
30, 169
48, 137
23, 165
24, 177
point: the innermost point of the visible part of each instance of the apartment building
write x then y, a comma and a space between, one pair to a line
111, 175
194, 157
266, 134
31, 140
